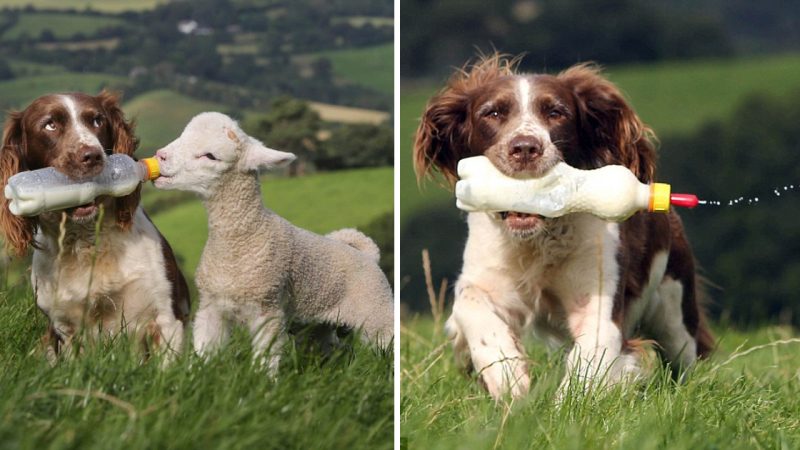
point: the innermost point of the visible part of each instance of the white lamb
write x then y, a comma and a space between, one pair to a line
257, 269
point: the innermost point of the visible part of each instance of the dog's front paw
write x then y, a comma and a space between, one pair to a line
505, 377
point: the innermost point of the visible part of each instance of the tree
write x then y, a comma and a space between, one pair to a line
292, 126
360, 145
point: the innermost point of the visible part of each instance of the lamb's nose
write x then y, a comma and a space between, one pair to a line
524, 147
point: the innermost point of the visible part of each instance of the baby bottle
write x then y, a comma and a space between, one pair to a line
610, 192
36, 191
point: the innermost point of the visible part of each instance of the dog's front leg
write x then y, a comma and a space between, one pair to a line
493, 346
587, 291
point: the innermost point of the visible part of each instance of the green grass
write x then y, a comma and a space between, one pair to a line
321, 203
62, 25
671, 97
27, 68
161, 115
371, 67
109, 6
108, 398
735, 400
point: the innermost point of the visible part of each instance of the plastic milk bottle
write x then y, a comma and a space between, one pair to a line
610, 192
36, 191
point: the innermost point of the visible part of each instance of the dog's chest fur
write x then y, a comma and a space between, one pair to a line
533, 274
84, 283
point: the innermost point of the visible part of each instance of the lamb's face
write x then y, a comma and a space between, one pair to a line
211, 145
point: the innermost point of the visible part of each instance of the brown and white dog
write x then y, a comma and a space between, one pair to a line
126, 278
577, 281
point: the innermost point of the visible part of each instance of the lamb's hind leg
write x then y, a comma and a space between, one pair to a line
372, 313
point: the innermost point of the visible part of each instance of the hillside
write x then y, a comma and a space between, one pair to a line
110, 6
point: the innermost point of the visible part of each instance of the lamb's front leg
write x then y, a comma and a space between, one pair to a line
210, 327
482, 335
268, 331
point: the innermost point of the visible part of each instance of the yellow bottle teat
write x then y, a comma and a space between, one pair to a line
659, 197
153, 170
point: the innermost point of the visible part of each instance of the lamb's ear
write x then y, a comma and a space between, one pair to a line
257, 156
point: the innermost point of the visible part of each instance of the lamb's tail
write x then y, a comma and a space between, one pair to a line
357, 240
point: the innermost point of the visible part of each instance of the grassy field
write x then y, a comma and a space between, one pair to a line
671, 97
746, 396
321, 203
109, 6
372, 67
63, 26
27, 68
109, 398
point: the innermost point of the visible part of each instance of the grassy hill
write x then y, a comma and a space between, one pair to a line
109, 6
671, 97
372, 67
62, 25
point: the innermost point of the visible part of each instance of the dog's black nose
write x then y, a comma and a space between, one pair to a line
91, 157
523, 148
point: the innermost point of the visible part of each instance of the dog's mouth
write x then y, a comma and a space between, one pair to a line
83, 212
516, 221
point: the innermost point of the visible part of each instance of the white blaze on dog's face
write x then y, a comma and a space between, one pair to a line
212, 145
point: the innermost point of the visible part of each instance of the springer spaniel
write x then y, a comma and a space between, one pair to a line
126, 278
579, 281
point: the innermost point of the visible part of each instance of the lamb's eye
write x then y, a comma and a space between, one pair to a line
50, 125
97, 122
211, 156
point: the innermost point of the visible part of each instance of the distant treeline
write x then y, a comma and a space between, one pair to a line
558, 33
264, 36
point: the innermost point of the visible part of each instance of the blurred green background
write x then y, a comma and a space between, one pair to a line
719, 81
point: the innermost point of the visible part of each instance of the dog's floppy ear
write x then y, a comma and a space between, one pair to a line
607, 123
124, 141
438, 142
17, 231
256, 156
442, 138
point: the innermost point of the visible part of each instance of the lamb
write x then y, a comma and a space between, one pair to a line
257, 269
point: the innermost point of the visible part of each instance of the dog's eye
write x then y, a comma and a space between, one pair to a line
555, 114
492, 114
97, 122
50, 125
210, 156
